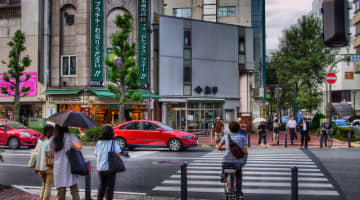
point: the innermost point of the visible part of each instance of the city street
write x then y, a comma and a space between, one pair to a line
155, 172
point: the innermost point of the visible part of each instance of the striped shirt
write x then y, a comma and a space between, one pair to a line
239, 139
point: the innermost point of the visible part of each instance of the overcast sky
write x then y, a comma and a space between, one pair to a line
280, 14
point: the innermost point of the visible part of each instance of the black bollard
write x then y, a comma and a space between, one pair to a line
183, 182
88, 184
286, 140
349, 139
249, 144
294, 184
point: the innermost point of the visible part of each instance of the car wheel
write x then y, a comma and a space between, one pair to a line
175, 145
122, 142
14, 143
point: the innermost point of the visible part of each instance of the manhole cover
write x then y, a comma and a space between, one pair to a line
167, 163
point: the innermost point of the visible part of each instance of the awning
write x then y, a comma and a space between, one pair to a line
206, 100
108, 94
62, 91
342, 109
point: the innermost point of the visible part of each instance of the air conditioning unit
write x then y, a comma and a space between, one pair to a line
258, 92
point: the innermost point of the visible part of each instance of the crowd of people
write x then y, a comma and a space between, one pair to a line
53, 166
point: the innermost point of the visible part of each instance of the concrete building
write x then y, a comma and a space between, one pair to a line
250, 13
346, 90
199, 71
24, 15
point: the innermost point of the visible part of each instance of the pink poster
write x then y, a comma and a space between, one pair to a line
32, 83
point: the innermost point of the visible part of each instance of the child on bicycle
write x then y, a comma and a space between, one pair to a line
229, 160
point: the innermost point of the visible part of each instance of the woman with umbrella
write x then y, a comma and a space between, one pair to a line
60, 144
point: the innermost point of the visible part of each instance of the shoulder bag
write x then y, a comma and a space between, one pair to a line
76, 159
235, 149
115, 163
33, 157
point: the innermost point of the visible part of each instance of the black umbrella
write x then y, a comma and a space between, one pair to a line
70, 118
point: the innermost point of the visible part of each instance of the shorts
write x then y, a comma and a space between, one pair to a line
218, 137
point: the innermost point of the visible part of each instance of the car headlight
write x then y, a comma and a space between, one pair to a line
188, 137
24, 134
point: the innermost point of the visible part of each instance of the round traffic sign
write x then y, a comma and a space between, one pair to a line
331, 78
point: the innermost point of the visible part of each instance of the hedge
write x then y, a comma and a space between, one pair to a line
341, 133
315, 123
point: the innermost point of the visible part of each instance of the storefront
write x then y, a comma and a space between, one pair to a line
100, 105
28, 111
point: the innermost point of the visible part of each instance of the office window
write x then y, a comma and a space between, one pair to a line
187, 75
187, 90
187, 39
182, 12
227, 11
357, 5
68, 65
187, 54
341, 96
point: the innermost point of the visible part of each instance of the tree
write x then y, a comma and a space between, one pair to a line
123, 72
300, 63
15, 74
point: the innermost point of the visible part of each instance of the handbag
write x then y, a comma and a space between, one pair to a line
235, 149
33, 157
115, 163
77, 162
49, 160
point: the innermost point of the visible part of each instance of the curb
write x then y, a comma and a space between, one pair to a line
23, 189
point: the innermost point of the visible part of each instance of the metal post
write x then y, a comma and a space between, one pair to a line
294, 184
183, 182
88, 183
286, 140
149, 62
249, 141
349, 139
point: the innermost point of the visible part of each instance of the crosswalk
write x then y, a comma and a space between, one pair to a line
267, 172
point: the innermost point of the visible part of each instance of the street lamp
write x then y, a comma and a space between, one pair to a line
144, 21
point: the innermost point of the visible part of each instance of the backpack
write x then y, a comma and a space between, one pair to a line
235, 149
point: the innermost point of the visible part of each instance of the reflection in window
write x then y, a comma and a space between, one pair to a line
133, 126
227, 11
182, 12
150, 126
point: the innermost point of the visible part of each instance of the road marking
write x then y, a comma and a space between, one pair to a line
257, 161
256, 165
252, 191
258, 169
246, 183
13, 165
260, 178
254, 173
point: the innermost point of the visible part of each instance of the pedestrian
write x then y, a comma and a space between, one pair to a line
106, 144
304, 131
243, 129
229, 160
291, 127
326, 129
262, 132
218, 130
45, 171
276, 131
63, 178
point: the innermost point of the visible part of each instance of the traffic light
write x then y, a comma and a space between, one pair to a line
335, 23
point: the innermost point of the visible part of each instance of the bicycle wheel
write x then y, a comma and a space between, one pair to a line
330, 142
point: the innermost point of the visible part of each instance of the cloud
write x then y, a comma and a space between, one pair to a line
280, 14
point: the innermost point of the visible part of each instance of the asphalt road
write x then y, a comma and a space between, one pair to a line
323, 174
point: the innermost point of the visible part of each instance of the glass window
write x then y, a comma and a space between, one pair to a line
164, 126
133, 126
187, 75
150, 126
187, 38
187, 90
182, 12
68, 65
187, 54
227, 11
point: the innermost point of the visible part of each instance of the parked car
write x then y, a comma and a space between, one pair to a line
341, 123
152, 134
14, 134
356, 126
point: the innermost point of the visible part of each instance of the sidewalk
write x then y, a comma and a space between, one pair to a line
205, 141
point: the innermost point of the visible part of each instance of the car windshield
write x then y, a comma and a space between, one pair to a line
15, 125
164, 126
341, 123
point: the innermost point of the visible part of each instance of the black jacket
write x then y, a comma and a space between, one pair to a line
307, 127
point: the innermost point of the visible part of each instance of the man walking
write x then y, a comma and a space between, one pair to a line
262, 132
218, 130
325, 131
304, 131
291, 126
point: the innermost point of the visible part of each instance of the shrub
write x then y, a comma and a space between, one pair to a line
315, 131
341, 133
91, 135
315, 123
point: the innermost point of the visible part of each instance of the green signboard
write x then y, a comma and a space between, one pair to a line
143, 41
97, 37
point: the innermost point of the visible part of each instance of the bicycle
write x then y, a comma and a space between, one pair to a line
329, 139
230, 184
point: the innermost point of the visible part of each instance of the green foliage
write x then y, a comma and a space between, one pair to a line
16, 66
91, 135
300, 64
341, 133
315, 123
4, 187
124, 78
315, 131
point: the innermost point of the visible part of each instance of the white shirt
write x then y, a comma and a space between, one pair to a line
304, 126
291, 124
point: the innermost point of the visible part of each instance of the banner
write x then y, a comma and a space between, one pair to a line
32, 83
143, 41
97, 38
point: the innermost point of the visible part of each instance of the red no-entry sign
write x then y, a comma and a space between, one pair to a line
331, 78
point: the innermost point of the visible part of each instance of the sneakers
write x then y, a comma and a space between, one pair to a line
239, 196
222, 178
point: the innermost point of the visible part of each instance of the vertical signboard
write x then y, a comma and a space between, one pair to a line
143, 41
97, 37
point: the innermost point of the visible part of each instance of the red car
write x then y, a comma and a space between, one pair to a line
152, 134
14, 134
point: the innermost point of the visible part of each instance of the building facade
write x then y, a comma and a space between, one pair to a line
199, 71
24, 15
